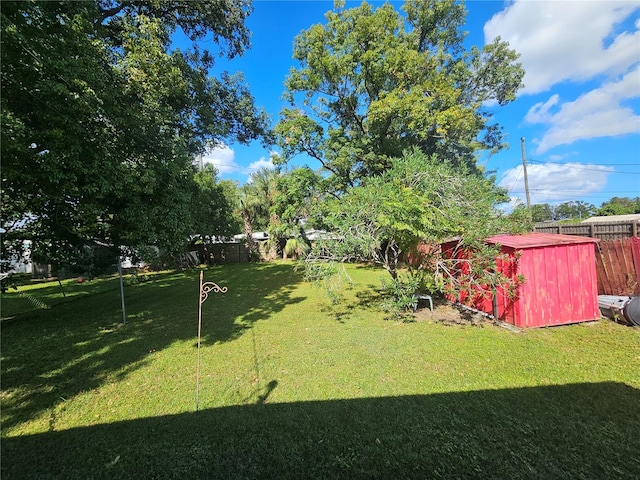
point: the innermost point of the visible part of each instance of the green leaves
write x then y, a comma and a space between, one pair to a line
101, 120
372, 83
620, 206
212, 206
418, 199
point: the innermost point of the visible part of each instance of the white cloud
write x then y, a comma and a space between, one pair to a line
258, 164
223, 158
598, 113
555, 182
539, 113
557, 158
262, 163
568, 40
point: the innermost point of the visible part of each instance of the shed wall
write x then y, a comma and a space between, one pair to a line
560, 287
560, 281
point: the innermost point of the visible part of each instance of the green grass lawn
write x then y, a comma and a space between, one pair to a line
292, 387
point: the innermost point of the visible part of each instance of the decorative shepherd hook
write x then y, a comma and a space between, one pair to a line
205, 288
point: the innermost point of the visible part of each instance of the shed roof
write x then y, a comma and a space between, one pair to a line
532, 240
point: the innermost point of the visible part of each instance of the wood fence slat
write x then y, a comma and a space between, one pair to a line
626, 266
630, 270
601, 272
604, 231
614, 269
608, 267
220, 253
618, 268
612, 262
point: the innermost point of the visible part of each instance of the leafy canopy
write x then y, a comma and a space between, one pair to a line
294, 200
571, 211
374, 82
101, 118
402, 215
419, 199
213, 207
620, 206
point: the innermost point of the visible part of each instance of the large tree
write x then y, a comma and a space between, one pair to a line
213, 208
572, 210
540, 212
410, 209
419, 199
374, 82
620, 206
101, 116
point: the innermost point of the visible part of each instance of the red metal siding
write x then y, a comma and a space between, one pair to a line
560, 280
560, 286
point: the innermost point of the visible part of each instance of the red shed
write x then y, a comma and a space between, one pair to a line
560, 285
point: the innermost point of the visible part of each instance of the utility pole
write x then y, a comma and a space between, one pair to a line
526, 178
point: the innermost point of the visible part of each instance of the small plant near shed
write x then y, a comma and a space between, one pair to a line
402, 295
295, 248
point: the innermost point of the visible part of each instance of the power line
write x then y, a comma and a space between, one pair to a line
578, 167
563, 192
592, 197
609, 164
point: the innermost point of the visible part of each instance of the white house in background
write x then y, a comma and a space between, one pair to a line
634, 217
257, 236
313, 235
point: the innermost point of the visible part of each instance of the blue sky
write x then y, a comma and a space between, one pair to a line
579, 111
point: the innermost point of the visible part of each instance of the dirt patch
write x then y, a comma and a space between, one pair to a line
450, 314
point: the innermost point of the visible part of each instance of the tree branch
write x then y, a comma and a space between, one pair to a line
110, 12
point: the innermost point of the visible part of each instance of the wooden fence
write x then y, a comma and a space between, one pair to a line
618, 266
603, 231
223, 253
617, 253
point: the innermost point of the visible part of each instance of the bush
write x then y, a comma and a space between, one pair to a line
296, 248
402, 295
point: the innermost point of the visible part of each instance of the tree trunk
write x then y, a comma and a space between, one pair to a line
391, 257
248, 231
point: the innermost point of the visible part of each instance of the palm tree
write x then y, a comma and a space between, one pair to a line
256, 199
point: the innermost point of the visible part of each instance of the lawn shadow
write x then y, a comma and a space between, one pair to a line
29, 298
367, 298
251, 296
51, 355
586, 431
